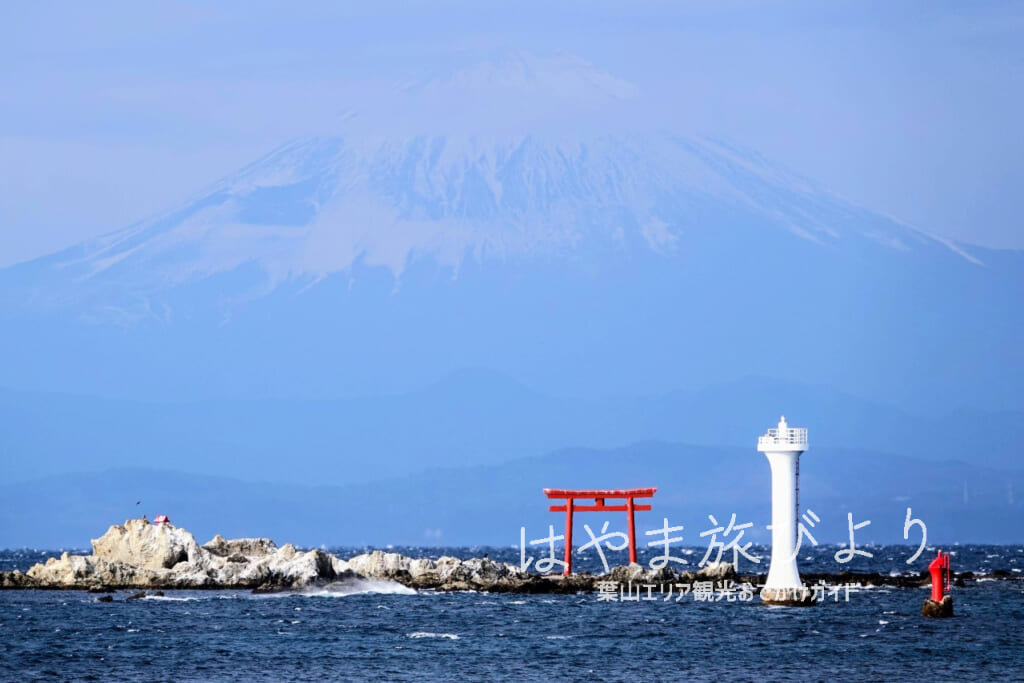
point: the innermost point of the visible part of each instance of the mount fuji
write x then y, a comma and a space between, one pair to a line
500, 215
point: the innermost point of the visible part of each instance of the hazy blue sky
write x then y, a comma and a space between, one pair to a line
112, 111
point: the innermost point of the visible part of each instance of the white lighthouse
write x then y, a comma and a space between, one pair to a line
783, 447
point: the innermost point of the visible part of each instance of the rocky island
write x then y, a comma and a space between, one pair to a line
144, 556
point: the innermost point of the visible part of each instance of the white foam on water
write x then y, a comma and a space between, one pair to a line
882, 622
167, 598
431, 634
359, 587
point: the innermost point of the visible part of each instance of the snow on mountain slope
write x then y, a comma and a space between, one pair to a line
512, 156
318, 206
522, 214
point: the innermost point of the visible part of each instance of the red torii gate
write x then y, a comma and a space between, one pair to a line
599, 496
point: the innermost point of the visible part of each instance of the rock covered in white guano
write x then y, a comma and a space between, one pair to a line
137, 543
381, 565
631, 572
247, 547
636, 573
138, 554
445, 573
717, 571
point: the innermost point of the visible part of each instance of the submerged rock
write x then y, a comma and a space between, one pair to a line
938, 610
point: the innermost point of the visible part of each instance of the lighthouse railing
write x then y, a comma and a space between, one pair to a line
795, 436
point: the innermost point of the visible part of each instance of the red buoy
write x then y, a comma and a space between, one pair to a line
940, 581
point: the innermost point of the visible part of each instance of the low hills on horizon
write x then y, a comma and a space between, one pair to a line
470, 418
487, 505
464, 461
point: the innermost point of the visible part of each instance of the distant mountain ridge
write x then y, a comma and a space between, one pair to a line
488, 504
473, 418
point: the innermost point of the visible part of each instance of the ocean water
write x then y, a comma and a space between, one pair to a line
386, 632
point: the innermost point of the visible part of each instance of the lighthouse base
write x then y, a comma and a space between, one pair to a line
788, 597
938, 610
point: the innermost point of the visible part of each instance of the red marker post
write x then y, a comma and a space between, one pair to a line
940, 604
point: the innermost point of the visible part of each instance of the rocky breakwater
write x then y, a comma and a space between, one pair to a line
483, 574
140, 555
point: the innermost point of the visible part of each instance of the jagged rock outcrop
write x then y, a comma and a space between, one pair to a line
147, 546
445, 573
246, 547
138, 554
14, 579
635, 573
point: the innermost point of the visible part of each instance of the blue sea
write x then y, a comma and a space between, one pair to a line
878, 633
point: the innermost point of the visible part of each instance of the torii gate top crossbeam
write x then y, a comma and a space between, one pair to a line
600, 493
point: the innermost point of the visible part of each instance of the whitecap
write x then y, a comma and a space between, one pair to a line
431, 634
359, 587
167, 598
882, 622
